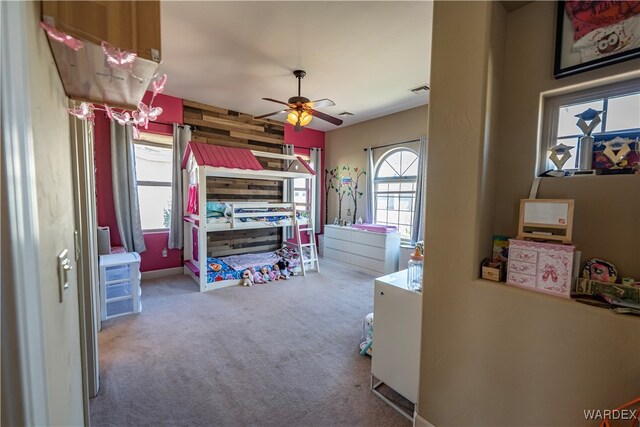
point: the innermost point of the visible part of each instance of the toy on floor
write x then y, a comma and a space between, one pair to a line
278, 272
257, 276
264, 271
283, 266
247, 278
366, 341
273, 275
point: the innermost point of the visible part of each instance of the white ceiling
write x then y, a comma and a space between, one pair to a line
365, 56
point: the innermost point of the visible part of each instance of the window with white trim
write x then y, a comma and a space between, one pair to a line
153, 174
395, 190
620, 106
301, 185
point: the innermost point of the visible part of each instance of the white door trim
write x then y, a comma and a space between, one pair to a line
23, 358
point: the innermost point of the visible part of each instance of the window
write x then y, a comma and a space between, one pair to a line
301, 185
620, 104
395, 190
153, 172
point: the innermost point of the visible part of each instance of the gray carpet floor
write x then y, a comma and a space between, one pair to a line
281, 354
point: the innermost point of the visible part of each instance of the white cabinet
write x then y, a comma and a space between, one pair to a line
120, 291
365, 250
397, 320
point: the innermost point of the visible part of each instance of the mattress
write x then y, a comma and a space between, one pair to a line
259, 221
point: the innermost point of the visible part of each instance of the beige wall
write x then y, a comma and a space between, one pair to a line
492, 354
52, 147
531, 31
346, 146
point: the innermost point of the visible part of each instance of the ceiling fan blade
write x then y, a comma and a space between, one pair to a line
279, 102
325, 117
264, 116
321, 103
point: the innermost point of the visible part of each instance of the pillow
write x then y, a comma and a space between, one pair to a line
217, 209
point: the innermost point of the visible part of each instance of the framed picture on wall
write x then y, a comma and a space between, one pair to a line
594, 34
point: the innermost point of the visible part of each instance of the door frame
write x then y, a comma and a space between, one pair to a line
24, 381
86, 251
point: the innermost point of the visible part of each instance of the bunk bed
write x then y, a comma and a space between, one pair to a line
203, 216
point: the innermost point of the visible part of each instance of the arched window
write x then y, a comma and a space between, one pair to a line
395, 190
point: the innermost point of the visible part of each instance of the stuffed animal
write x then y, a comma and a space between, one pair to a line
264, 271
278, 273
247, 278
273, 274
257, 277
283, 265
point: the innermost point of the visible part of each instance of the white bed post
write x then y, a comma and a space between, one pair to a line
233, 215
202, 227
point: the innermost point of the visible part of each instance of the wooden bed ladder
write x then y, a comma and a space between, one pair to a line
313, 250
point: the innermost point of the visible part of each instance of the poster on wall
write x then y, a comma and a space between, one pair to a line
593, 34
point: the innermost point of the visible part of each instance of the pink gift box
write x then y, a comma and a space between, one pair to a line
542, 267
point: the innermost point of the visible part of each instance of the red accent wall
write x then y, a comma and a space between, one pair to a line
302, 142
152, 258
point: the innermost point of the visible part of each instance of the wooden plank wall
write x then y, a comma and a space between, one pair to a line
220, 126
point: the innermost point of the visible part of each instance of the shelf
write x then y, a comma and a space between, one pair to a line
117, 281
122, 298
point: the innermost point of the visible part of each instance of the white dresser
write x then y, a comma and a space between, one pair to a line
365, 250
397, 328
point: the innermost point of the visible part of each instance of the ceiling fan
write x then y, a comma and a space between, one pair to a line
301, 110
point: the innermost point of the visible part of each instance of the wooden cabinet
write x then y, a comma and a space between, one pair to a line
129, 25
365, 250
397, 317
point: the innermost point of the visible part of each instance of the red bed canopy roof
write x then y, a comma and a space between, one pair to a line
221, 157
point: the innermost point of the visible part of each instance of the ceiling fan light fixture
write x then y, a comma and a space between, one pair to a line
300, 110
293, 117
305, 118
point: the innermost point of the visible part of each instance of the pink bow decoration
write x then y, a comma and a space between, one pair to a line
158, 84
116, 58
62, 37
84, 112
122, 118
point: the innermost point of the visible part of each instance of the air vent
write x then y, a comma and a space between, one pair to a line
345, 113
420, 89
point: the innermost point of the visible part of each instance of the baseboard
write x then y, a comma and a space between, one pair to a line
154, 274
418, 421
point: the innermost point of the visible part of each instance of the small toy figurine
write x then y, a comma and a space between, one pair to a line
257, 277
283, 266
273, 275
247, 278
264, 271
278, 272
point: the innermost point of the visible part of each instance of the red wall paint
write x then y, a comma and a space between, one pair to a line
302, 142
155, 242
104, 187
171, 108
